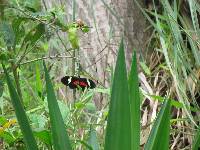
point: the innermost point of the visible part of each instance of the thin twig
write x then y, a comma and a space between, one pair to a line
46, 57
32, 17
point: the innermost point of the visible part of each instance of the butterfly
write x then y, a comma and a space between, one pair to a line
75, 82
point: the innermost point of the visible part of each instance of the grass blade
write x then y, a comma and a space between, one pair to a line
59, 133
194, 15
93, 140
21, 115
196, 143
159, 136
135, 105
38, 80
118, 135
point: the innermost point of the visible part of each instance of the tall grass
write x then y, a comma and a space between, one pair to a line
177, 33
123, 119
123, 124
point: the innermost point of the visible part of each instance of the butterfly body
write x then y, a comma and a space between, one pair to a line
75, 82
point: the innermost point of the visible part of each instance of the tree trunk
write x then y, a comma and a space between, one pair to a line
109, 21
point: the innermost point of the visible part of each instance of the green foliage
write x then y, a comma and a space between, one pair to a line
24, 41
196, 142
85, 29
1, 87
34, 34
44, 136
18, 28
73, 37
33, 5
145, 68
20, 114
159, 136
38, 80
118, 131
174, 103
8, 34
134, 104
4, 55
7, 137
177, 39
59, 134
93, 140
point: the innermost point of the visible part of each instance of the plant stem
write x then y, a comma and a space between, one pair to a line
16, 77
46, 57
74, 52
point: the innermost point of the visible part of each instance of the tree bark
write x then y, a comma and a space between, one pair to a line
109, 21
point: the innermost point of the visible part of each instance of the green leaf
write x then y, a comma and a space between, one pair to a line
8, 34
33, 5
18, 28
174, 103
35, 34
38, 80
73, 37
59, 133
196, 141
21, 115
90, 107
38, 120
93, 140
7, 137
118, 131
64, 109
85, 144
159, 136
40, 30
1, 88
3, 120
4, 55
44, 136
145, 68
135, 105
85, 29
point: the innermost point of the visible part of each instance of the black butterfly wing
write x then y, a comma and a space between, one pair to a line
65, 80
75, 82
70, 81
91, 84
84, 83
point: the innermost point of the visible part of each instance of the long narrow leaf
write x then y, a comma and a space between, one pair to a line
118, 132
59, 133
21, 115
38, 80
159, 136
93, 140
135, 105
196, 142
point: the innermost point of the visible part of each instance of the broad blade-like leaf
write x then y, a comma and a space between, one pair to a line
118, 132
135, 105
59, 133
159, 136
21, 115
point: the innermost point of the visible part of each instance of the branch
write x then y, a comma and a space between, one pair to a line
46, 57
